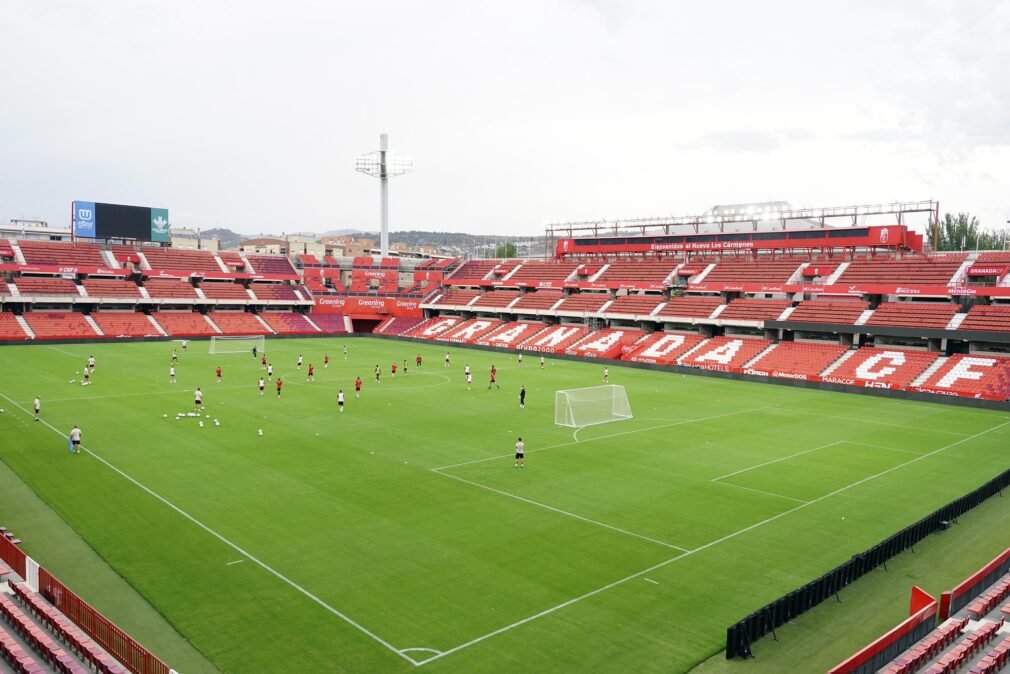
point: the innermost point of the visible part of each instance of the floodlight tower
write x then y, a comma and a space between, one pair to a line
383, 165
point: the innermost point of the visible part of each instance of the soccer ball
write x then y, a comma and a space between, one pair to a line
165, 415
201, 424
260, 431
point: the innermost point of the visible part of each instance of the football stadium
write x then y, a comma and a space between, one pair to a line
753, 438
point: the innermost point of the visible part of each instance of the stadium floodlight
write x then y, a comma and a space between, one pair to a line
383, 165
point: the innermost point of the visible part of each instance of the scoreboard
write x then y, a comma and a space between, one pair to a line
95, 220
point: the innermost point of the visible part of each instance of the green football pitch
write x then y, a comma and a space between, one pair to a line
399, 536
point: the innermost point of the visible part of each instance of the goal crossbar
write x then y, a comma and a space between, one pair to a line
580, 407
236, 343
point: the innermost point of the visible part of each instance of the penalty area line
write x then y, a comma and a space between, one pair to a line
782, 458
234, 546
706, 546
758, 491
605, 437
563, 512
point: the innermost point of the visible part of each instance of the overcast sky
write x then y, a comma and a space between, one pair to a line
249, 114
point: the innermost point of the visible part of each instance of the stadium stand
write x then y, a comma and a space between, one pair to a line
754, 271
124, 254
232, 260
124, 324
605, 343
690, 306
431, 327
972, 376
59, 324
990, 599
541, 300
10, 328
288, 322
38, 639
586, 303
169, 288
993, 257
509, 335
724, 353
46, 285
635, 304
798, 358
496, 299
270, 264
630, 273
62, 254
990, 317
754, 310
471, 271
932, 270
4, 290
333, 323
504, 269
174, 258
184, 323
12, 651
456, 297
928, 648
934, 315
830, 312
73, 636
533, 272
883, 368
397, 325
224, 291
433, 264
98, 287
555, 339
663, 348
274, 291
470, 331
238, 323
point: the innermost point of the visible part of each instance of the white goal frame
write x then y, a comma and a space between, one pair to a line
581, 407
236, 344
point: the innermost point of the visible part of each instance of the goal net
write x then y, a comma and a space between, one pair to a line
224, 344
580, 407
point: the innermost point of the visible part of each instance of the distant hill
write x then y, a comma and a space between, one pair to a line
226, 238
454, 243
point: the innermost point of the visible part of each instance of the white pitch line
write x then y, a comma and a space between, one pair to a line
237, 561
783, 458
425, 650
263, 565
562, 512
66, 353
660, 565
875, 421
893, 449
169, 391
604, 437
650, 580
759, 491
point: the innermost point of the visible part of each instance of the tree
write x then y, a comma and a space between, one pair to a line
964, 232
505, 249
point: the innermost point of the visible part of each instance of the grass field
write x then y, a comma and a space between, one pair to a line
398, 533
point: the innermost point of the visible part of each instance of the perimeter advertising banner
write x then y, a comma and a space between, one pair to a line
96, 220
364, 307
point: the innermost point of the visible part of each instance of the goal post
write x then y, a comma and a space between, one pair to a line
240, 344
576, 408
